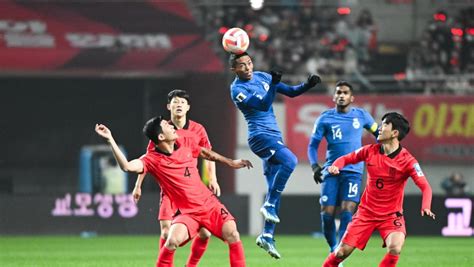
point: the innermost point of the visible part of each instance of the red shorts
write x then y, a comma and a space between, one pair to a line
213, 218
167, 209
361, 228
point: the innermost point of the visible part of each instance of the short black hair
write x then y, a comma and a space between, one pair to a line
344, 83
178, 93
153, 128
233, 58
399, 123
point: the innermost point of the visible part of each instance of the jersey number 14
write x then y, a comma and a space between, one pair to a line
336, 133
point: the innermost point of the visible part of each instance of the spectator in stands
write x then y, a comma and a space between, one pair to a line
454, 185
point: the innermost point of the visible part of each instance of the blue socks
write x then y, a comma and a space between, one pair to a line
346, 218
329, 229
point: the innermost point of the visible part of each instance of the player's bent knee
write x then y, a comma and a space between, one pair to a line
164, 229
232, 236
292, 162
172, 243
204, 234
394, 249
343, 251
340, 254
328, 210
165, 232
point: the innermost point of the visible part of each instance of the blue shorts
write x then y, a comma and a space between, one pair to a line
265, 146
342, 187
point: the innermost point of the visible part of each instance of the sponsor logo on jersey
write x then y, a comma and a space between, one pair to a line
356, 123
241, 97
418, 170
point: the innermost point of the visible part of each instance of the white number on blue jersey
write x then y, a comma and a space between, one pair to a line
353, 189
336, 132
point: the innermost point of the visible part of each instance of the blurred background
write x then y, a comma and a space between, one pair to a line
67, 65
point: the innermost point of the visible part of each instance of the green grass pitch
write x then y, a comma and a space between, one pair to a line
297, 251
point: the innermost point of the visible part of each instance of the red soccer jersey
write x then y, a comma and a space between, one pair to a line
387, 176
192, 130
178, 176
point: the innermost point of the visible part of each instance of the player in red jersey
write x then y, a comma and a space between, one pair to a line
381, 207
173, 166
179, 105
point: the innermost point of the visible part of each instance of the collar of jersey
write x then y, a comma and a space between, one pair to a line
186, 125
166, 153
394, 153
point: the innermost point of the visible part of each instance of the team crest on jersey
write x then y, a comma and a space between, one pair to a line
356, 123
323, 199
418, 170
241, 97
266, 86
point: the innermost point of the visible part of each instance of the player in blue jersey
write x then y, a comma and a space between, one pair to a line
253, 93
342, 127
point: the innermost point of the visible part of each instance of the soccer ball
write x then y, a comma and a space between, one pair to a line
235, 40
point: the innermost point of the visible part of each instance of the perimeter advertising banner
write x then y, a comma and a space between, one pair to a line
97, 36
442, 127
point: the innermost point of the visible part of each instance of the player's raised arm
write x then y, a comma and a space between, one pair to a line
427, 194
234, 163
297, 90
135, 165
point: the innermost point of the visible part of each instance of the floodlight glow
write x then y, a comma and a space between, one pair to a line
256, 4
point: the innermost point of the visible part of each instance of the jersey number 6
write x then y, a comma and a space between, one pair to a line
379, 183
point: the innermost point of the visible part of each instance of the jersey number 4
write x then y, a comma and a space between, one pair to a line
187, 173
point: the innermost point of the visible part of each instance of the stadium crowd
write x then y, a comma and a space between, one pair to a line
336, 44
301, 39
446, 47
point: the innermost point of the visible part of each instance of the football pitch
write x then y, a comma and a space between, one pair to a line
297, 251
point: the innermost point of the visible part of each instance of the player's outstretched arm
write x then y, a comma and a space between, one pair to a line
428, 212
137, 190
135, 165
234, 163
297, 90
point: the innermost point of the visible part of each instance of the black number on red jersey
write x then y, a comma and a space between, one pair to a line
187, 173
379, 183
224, 213
397, 223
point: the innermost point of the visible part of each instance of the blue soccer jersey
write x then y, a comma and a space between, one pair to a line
254, 99
343, 133
260, 118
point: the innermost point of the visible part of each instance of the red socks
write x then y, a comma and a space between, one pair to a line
332, 261
236, 254
165, 258
389, 260
162, 242
197, 250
